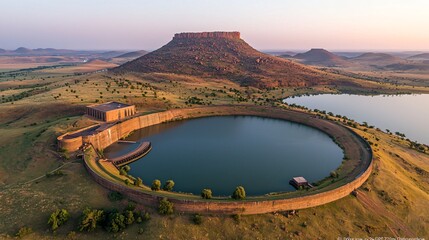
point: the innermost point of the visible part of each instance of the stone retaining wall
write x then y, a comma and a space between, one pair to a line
354, 145
235, 207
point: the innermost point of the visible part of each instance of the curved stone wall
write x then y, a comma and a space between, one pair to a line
353, 145
70, 144
72, 141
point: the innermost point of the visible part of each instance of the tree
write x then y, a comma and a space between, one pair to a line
58, 218
129, 217
169, 184
165, 207
89, 219
138, 182
197, 219
146, 216
115, 222
206, 193
239, 193
122, 172
156, 185
115, 196
126, 168
127, 182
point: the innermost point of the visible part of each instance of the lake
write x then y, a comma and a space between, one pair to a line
408, 114
220, 153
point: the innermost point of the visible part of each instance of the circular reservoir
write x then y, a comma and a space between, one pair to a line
220, 153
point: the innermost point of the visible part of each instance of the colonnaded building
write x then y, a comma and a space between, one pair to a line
110, 111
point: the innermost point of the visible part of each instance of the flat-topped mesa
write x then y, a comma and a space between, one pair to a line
229, 35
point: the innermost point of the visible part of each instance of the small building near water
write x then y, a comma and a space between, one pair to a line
110, 111
298, 182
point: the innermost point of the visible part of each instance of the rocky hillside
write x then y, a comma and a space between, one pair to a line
224, 55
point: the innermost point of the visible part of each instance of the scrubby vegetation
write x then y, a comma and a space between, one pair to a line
156, 185
206, 193
239, 193
168, 186
165, 207
58, 218
27, 150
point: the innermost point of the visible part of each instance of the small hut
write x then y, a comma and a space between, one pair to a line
297, 182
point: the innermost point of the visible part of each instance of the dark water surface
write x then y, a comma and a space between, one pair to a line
408, 114
220, 153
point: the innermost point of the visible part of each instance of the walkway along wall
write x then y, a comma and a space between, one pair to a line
355, 145
235, 207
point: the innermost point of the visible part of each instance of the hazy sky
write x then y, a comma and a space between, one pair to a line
265, 24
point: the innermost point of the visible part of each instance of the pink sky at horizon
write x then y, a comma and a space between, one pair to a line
393, 25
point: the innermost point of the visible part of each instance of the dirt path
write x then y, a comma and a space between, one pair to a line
396, 225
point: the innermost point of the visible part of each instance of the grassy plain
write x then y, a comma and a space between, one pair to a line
393, 202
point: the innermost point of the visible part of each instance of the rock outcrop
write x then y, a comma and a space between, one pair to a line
230, 35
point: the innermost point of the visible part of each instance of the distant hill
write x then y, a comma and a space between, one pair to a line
348, 54
321, 57
379, 59
135, 54
280, 53
422, 56
285, 56
413, 66
126, 57
21, 50
38, 59
2, 50
224, 55
111, 54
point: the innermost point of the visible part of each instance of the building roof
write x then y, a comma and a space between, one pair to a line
299, 180
109, 106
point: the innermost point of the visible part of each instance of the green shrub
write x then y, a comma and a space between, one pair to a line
115, 196
131, 206
127, 182
58, 218
156, 185
237, 218
197, 219
165, 207
206, 193
239, 193
169, 184
126, 168
24, 231
138, 182
129, 217
89, 219
146, 216
115, 222
122, 172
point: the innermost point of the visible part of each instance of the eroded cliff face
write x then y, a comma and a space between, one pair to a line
228, 35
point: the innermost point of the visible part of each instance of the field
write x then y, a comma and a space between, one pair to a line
39, 105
